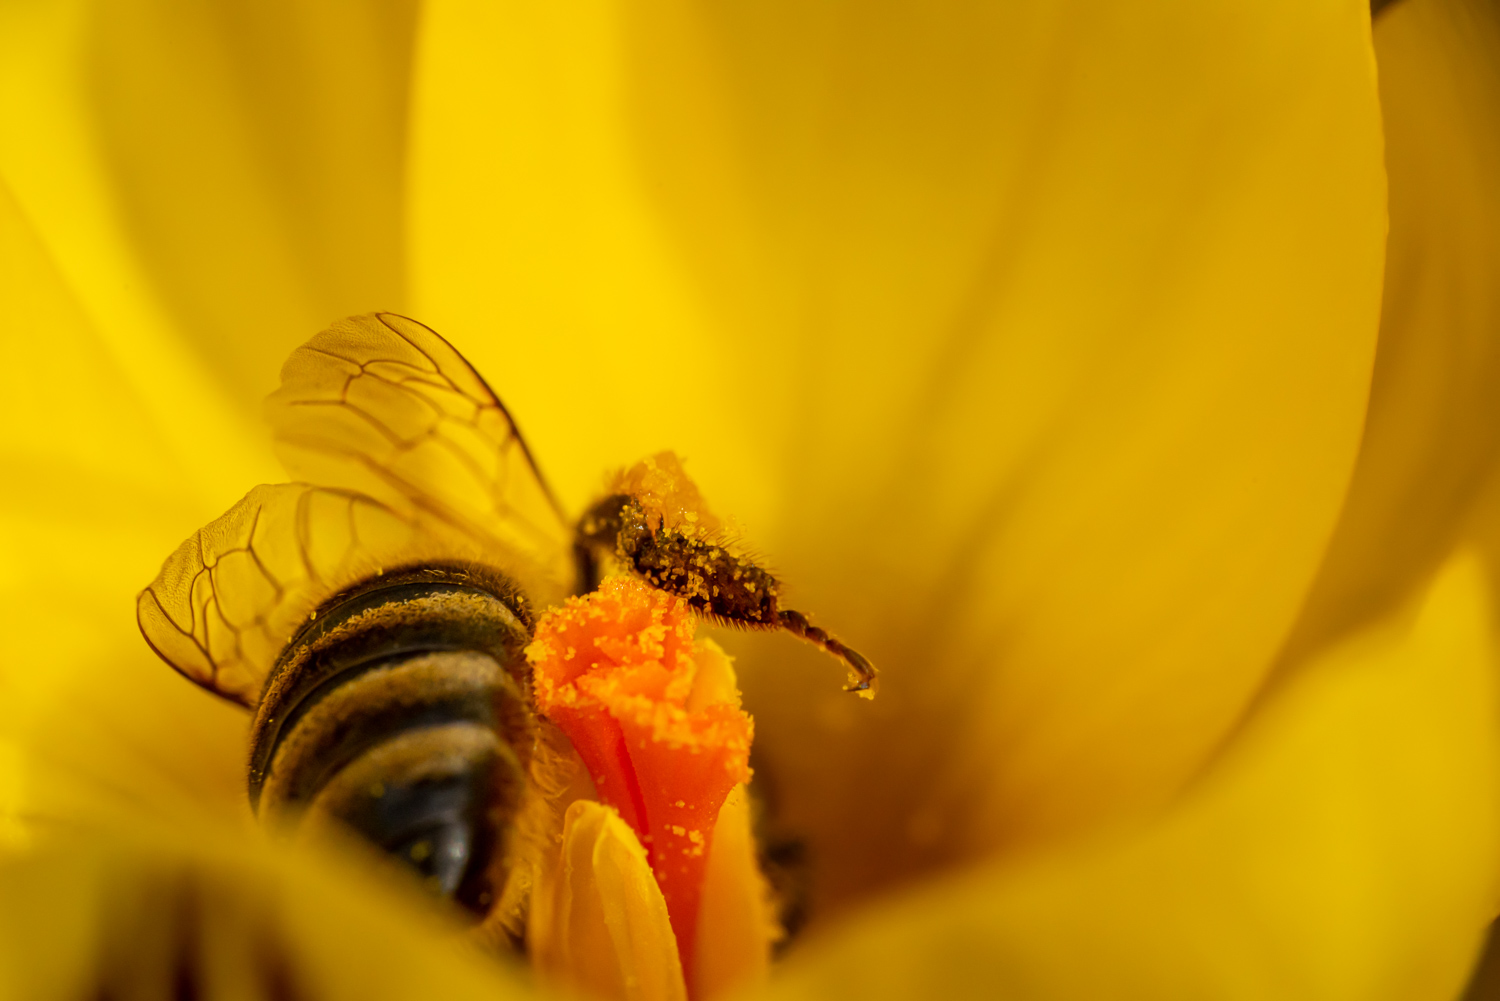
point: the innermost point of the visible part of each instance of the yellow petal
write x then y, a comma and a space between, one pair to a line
1433, 433
1344, 848
91, 497
216, 183
1031, 345
14, 832
157, 914
598, 922
736, 925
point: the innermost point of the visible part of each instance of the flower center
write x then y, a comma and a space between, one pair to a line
656, 719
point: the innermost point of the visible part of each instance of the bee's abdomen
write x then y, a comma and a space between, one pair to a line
416, 692
402, 713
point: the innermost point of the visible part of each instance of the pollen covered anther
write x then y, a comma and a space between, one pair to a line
656, 719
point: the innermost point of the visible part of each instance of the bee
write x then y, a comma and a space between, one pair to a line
373, 615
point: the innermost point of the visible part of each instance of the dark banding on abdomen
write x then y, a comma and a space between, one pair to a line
401, 713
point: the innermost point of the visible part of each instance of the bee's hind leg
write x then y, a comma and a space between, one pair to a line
863, 679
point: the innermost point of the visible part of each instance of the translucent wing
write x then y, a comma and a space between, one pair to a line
382, 406
230, 597
410, 459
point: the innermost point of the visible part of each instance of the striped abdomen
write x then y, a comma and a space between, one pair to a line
402, 712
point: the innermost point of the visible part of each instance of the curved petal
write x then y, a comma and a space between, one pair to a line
193, 913
1433, 434
224, 174
92, 494
598, 923
1344, 849
1032, 344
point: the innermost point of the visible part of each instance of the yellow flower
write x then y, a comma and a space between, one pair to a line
1057, 354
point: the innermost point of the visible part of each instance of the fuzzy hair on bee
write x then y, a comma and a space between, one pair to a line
654, 523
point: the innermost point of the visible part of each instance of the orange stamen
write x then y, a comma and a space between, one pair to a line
659, 728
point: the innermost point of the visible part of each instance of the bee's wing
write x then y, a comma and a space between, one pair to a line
231, 596
383, 406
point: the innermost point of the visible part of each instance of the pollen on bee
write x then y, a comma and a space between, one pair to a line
667, 495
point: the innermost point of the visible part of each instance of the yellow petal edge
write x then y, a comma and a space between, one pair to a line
598, 921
